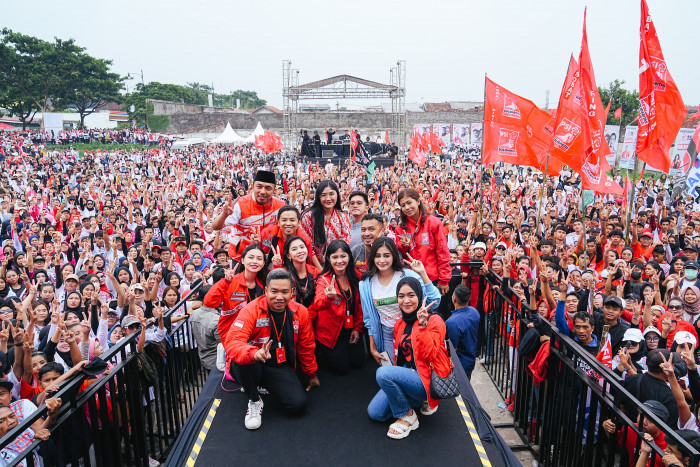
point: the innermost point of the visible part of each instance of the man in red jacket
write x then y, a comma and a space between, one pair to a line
265, 341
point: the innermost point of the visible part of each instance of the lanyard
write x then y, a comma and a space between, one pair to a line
279, 334
346, 300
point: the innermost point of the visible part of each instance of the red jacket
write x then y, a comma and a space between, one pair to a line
251, 329
231, 297
428, 244
428, 349
328, 316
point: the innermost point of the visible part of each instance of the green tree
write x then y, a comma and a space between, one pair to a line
94, 86
249, 99
159, 91
628, 100
38, 69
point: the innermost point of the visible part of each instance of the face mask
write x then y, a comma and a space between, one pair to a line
636, 275
691, 274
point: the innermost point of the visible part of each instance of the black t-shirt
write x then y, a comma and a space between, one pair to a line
405, 349
283, 327
329, 136
646, 387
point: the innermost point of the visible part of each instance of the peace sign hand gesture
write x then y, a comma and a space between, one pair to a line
263, 353
667, 367
330, 289
423, 312
415, 264
277, 258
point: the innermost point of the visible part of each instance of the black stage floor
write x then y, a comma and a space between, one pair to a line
335, 430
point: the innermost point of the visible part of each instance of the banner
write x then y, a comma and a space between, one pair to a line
460, 133
443, 131
678, 161
421, 128
477, 132
628, 147
612, 137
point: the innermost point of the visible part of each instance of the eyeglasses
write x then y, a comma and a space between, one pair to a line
651, 338
133, 327
6, 310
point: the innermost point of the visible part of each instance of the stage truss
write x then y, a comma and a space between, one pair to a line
343, 87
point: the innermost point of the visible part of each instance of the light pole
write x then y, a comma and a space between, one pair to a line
143, 85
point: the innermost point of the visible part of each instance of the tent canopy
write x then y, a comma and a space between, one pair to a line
229, 136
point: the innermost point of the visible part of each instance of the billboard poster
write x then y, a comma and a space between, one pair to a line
627, 157
678, 161
612, 137
460, 133
477, 131
443, 131
421, 128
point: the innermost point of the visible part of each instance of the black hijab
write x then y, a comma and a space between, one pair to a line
415, 285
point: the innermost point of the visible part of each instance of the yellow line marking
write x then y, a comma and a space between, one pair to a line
473, 433
199, 442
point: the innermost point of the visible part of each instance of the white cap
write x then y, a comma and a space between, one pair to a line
633, 335
684, 337
480, 245
652, 329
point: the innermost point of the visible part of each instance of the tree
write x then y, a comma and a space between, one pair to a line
628, 100
93, 87
39, 70
249, 99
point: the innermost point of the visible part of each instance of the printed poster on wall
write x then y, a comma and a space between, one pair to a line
477, 133
612, 137
421, 128
460, 133
627, 157
680, 159
443, 131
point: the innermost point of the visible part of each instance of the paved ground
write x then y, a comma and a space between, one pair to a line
489, 398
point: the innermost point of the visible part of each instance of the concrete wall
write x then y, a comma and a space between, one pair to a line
367, 121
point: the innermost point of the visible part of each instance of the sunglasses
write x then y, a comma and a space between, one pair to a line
675, 307
133, 326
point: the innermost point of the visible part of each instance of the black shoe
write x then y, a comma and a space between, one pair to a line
231, 386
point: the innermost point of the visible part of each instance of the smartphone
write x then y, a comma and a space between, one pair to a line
387, 361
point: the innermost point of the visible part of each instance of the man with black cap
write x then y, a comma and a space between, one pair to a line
612, 309
652, 386
250, 214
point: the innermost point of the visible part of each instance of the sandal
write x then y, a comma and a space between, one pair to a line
402, 429
426, 410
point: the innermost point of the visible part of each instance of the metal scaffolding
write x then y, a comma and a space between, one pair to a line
343, 87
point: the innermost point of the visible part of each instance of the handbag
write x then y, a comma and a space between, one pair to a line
443, 388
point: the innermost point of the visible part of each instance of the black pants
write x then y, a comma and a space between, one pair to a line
280, 381
344, 355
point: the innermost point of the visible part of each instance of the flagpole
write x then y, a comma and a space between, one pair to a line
583, 215
542, 188
631, 200
481, 181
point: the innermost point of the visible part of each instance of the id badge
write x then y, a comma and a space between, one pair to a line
348, 322
281, 356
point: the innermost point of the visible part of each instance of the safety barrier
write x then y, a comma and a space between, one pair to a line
560, 417
121, 418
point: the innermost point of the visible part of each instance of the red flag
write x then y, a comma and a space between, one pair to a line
642, 174
607, 111
605, 354
386, 138
618, 113
418, 149
661, 108
626, 191
435, 142
594, 164
697, 114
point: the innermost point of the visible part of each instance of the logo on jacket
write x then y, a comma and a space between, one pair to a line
296, 326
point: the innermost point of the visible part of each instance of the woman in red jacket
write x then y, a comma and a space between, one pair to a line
235, 291
296, 256
337, 311
423, 237
419, 345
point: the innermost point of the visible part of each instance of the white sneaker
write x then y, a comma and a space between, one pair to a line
426, 410
253, 416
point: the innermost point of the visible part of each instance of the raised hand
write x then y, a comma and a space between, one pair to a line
415, 264
667, 367
423, 312
263, 353
277, 257
330, 289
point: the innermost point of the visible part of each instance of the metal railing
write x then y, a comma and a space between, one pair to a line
560, 417
122, 419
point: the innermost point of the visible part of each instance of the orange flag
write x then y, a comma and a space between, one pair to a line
386, 138
515, 130
661, 108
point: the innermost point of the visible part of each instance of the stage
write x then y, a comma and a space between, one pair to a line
335, 430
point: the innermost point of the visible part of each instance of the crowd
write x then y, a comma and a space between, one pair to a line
309, 264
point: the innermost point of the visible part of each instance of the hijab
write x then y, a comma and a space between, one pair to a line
415, 285
692, 309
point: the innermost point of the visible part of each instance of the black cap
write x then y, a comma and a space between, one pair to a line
613, 300
97, 366
264, 176
691, 264
690, 247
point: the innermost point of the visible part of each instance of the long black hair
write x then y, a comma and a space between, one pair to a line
289, 266
262, 273
396, 264
333, 247
317, 214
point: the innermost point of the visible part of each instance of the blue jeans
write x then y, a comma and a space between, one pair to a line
401, 390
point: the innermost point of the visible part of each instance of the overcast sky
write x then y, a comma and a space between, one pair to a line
447, 45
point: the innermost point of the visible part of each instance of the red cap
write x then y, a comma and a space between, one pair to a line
647, 233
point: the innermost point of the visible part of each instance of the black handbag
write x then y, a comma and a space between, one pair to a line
443, 388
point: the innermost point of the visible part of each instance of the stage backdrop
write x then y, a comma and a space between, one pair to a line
460, 133
443, 131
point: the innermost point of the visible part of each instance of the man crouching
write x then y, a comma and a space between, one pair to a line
265, 341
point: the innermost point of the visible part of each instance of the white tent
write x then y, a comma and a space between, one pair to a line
259, 131
229, 136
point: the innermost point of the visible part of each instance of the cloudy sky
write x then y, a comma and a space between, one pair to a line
447, 45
